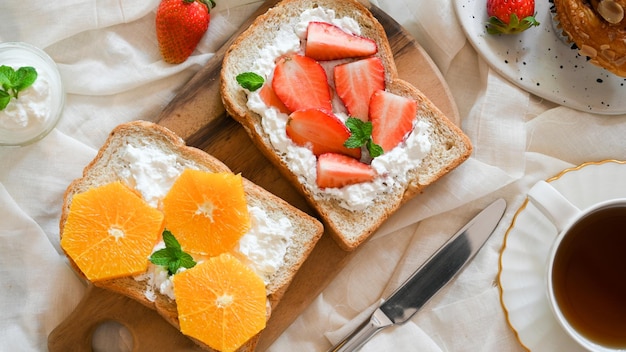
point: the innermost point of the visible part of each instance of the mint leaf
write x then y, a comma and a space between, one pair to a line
361, 135
374, 149
161, 257
4, 99
25, 77
172, 256
173, 266
250, 81
187, 261
170, 241
360, 132
13, 82
6, 74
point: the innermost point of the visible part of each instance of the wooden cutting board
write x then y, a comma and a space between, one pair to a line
197, 115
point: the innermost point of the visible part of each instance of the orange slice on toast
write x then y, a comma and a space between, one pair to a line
220, 302
110, 232
207, 212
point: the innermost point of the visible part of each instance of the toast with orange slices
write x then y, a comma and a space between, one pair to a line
136, 158
314, 84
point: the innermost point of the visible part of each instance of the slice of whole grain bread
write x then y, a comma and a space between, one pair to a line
450, 146
109, 165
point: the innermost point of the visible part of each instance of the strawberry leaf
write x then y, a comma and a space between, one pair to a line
250, 81
208, 3
515, 25
361, 135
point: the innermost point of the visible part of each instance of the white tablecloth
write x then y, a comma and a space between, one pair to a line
108, 57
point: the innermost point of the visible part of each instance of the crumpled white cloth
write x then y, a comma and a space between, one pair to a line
107, 53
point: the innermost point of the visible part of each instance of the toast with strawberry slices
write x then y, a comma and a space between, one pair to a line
302, 70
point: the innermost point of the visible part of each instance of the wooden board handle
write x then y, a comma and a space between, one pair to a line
150, 332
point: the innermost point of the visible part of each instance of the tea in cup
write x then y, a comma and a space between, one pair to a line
586, 277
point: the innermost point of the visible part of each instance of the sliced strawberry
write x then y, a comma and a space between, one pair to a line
300, 83
392, 118
325, 41
338, 170
320, 130
270, 98
356, 81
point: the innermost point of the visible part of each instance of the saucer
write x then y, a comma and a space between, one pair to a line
538, 61
525, 252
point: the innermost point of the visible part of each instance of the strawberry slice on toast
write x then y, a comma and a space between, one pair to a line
325, 41
300, 83
392, 118
356, 81
338, 170
270, 98
320, 130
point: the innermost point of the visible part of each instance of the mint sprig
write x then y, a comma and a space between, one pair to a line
12, 82
172, 256
250, 80
361, 135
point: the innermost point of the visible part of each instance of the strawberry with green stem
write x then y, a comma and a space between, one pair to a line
180, 24
510, 16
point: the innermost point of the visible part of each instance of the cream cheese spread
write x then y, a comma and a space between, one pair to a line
152, 172
266, 244
158, 280
392, 167
32, 108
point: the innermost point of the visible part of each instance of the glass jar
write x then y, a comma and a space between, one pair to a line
38, 108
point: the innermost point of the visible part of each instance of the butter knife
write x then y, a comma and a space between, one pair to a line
429, 278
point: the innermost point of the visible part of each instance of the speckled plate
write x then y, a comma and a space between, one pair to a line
525, 251
539, 62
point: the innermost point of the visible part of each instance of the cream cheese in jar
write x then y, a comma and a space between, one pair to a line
37, 109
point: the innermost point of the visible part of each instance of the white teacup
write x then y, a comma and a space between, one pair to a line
586, 277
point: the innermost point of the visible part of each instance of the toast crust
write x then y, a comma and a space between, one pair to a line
450, 146
105, 168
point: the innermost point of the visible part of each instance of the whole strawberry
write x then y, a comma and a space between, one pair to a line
510, 16
180, 24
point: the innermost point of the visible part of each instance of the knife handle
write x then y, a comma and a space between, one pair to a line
363, 333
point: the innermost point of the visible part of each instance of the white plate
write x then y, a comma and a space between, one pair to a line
539, 62
525, 251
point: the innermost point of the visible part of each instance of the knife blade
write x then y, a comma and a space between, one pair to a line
428, 279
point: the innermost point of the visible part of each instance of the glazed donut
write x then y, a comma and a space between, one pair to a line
598, 29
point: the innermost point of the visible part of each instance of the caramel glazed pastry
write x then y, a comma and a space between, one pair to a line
598, 29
